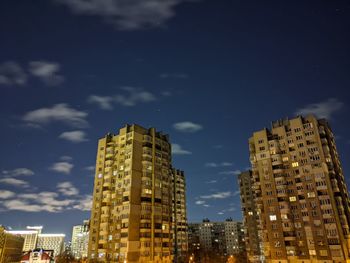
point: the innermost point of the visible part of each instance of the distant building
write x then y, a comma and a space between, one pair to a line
10, 247
38, 256
30, 236
250, 215
179, 216
53, 242
216, 240
80, 240
300, 193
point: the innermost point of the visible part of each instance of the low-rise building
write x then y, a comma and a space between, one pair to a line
53, 242
38, 256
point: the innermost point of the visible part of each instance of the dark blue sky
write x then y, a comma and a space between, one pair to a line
70, 73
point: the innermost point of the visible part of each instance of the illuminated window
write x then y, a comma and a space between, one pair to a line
250, 213
273, 217
311, 194
295, 164
285, 159
292, 198
312, 252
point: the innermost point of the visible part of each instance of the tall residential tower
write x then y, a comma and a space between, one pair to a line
300, 195
132, 213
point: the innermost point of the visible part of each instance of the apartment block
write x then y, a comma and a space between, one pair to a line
53, 242
30, 236
10, 247
250, 217
300, 194
180, 227
216, 241
132, 212
80, 240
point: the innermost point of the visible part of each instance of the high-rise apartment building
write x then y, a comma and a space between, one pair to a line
30, 236
180, 227
301, 198
10, 247
132, 213
53, 242
80, 240
250, 216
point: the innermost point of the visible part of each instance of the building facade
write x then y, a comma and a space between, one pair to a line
301, 198
180, 228
10, 247
30, 236
216, 241
132, 217
53, 242
80, 240
250, 216
38, 256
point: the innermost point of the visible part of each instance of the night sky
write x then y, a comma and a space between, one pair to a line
209, 73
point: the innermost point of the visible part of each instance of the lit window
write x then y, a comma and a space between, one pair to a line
292, 199
295, 164
99, 175
250, 213
311, 194
273, 218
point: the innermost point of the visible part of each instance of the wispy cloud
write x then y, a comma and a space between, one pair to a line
90, 168
214, 165
324, 109
57, 113
84, 204
129, 97
5, 194
104, 102
126, 15
187, 126
174, 75
67, 189
11, 73
47, 72
235, 172
62, 167
66, 158
178, 150
14, 182
133, 96
74, 136
18, 172
211, 182
218, 195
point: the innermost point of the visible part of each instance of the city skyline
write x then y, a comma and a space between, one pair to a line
206, 74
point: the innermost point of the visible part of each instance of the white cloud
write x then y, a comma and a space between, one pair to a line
174, 75
323, 109
66, 158
67, 189
235, 193
62, 167
218, 195
5, 194
18, 172
200, 202
11, 73
133, 97
221, 213
187, 126
211, 182
74, 136
126, 15
84, 204
14, 182
47, 72
235, 172
58, 113
90, 168
223, 164
176, 149
104, 102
